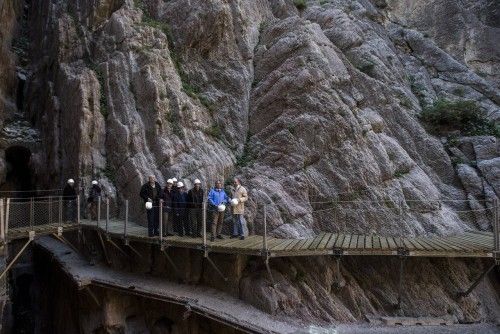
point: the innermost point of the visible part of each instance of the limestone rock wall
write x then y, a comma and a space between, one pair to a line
305, 104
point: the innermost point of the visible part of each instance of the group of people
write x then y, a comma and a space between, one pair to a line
70, 194
182, 211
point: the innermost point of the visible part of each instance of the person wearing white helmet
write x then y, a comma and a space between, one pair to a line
151, 192
240, 196
195, 202
69, 197
168, 192
180, 212
94, 197
217, 198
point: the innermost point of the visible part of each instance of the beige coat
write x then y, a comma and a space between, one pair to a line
241, 194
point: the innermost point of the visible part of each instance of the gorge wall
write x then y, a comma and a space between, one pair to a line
305, 101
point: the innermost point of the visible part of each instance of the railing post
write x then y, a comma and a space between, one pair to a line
50, 209
60, 210
401, 222
2, 220
107, 214
7, 214
98, 210
32, 212
204, 225
78, 210
161, 222
496, 227
264, 239
126, 219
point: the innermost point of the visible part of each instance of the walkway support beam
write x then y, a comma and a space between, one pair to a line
478, 280
32, 235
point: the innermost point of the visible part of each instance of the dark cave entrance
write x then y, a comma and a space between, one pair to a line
19, 177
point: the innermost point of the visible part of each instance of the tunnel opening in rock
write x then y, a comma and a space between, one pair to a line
19, 176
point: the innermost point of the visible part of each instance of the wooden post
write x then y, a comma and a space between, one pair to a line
126, 219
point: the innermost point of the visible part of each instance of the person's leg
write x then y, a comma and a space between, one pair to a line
93, 211
156, 221
214, 224
150, 217
219, 224
199, 221
164, 223
234, 220
239, 224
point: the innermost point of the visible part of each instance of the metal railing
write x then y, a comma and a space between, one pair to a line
386, 218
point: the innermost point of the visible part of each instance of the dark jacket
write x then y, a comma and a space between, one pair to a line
179, 202
195, 198
155, 194
167, 199
94, 193
69, 192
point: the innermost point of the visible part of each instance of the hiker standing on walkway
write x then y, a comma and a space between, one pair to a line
179, 208
69, 197
151, 193
238, 203
167, 208
93, 199
195, 200
218, 200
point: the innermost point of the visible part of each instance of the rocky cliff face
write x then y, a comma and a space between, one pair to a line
208, 89
307, 101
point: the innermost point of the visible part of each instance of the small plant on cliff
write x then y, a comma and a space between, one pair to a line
214, 131
367, 68
300, 4
466, 117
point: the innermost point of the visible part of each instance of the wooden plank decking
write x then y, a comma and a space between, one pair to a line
468, 244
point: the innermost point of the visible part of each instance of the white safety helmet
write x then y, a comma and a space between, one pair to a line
174, 180
149, 205
180, 184
71, 181
94, 182
170, 181
234, 201
197, 181
221, 208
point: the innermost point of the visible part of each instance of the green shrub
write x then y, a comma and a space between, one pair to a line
300, 4
464, 116
247, 157
367, 68
214, 131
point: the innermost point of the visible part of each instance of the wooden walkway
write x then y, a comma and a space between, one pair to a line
467, 244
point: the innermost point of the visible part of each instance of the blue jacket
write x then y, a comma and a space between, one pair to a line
217, 197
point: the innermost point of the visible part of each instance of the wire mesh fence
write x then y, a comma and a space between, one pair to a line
369, 217
31, 212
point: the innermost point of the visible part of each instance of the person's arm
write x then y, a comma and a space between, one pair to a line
244, 195
210, 197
